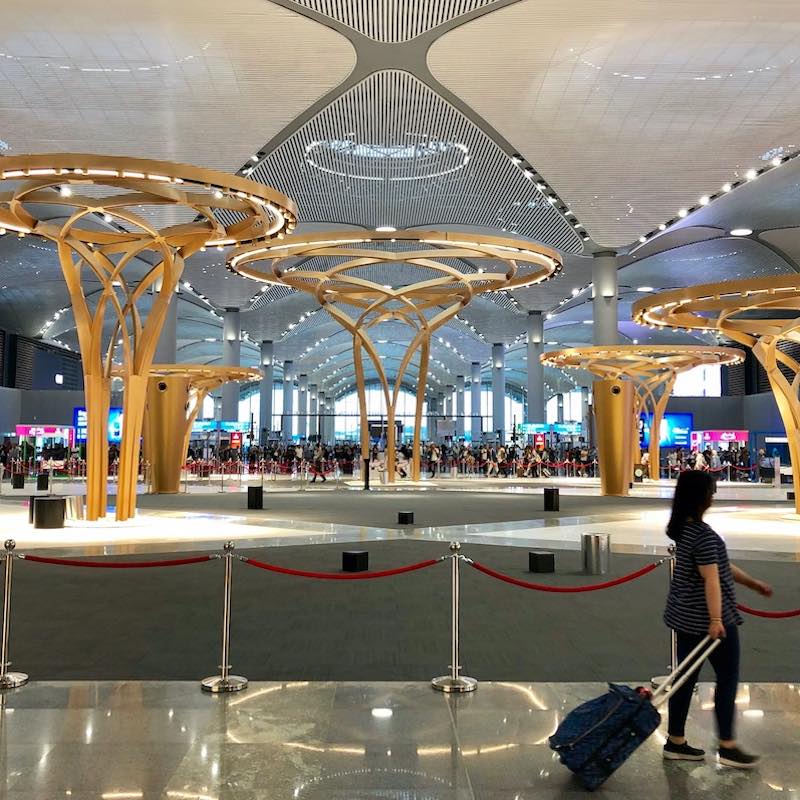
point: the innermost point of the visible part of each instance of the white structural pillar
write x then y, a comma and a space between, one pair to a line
605, 288
448, 402
559, 407
585, 419
167, 347
267, 383
302, 407
322, 406
499, 390
536, 412
288, 401
231, 357
460, 386
313, 410
475, 392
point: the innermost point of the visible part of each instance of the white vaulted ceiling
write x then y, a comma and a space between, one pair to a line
632, 110
193, 81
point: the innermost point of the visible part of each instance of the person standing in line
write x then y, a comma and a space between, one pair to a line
319, 463
702, 602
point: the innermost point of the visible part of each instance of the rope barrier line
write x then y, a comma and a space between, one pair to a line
768, 614
541, 587
338, 576
72, 562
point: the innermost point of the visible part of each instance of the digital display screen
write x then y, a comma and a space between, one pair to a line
114, 424
676, 430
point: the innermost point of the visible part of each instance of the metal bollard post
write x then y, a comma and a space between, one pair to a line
673, 637
8, 680
366, 474
225, 682
455, 682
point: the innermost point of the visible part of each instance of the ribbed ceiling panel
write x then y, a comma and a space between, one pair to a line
390, 151
392, 21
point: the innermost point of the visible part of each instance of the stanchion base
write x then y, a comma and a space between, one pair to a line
11, 680
450, 685
657, 680
218, 685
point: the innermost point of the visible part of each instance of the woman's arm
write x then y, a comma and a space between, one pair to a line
713, 590
745, 579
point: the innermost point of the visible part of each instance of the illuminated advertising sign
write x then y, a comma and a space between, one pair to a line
63, 432
710, 437
114, 424
204, 425
234, 425
676, 430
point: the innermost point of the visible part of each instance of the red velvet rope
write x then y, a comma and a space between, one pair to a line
340, 576
769, 614
541, 587
70, 562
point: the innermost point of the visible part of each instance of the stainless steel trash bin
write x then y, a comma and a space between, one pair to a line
76, 506
596, 550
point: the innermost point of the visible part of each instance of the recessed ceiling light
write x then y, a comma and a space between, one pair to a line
751, 174
776, 162
385, 229
644, 289
741, 232
726, 187
65, 191
576, 292
642, 239
107, 217
662, 227
682, 213
705, 200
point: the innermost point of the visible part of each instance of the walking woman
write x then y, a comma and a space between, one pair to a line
702, 601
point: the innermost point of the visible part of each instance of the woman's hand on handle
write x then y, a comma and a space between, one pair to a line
716, 630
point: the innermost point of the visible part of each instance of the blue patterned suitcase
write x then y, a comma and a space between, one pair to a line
598, 736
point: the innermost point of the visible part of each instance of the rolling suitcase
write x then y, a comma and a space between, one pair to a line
597, 737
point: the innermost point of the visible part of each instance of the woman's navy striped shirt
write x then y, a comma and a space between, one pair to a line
687, 610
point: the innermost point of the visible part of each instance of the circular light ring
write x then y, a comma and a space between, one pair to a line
640, 362
263, 213
539, 263
717, 306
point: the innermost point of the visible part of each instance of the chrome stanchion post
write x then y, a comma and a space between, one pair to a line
225, 682
455, 682
8, 680
673, 636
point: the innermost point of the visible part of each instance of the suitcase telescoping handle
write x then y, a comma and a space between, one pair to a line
691, 664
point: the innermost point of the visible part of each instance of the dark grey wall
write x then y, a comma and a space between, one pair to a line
757, 412
53, 407
10, 400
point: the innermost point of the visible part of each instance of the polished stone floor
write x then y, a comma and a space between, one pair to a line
352, 741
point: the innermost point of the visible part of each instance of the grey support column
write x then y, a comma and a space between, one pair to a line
585, 420
302, 407
559, 407
605, 288
475, 397
267, 384
313, 410
499, 390
167, 347
448, 402
288, 401
231, 356
460, 384
535, 332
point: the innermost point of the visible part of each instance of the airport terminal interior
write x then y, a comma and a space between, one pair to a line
356, 357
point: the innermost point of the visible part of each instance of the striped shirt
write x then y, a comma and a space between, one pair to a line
686, 609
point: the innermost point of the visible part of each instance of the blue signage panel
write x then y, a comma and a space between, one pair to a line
114, 424
234, 425
204, 425
676, 430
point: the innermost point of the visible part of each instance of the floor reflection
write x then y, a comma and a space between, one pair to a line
304, 741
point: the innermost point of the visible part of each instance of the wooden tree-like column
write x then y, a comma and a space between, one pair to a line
175, 395
761, 313
108, 216
448, 282
651, 368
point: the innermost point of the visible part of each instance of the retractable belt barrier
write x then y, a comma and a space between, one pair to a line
453, 681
